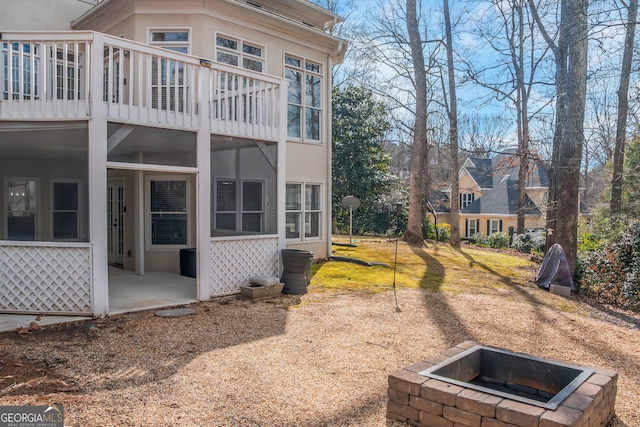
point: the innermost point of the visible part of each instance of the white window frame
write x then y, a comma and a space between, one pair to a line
239, 210
10, 66
475, 227
148, 214
466, 199
494, 226
303, 105
37, 211
171, 45
304, 210
239, 52
78, 211
163, 82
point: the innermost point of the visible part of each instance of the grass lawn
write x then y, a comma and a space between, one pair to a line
435, 267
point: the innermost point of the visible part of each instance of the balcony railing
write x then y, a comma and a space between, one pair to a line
55, 76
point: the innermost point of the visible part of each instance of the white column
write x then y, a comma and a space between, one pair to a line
282, 169
203, 188
98, 182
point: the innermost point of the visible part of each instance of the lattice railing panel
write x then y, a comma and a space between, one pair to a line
45, 279
235, 261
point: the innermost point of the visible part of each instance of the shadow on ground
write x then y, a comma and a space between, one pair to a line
47, 359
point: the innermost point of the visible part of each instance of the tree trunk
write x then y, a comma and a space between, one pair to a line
623, 104
522, 117
570, 153
417, 165
454, 238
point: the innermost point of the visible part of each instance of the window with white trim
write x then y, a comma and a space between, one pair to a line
466, 199
240, 53
168, 212
303, 213
304, 98
168, 75
472, 227
11, 70
66, 209
230, 214
494, 226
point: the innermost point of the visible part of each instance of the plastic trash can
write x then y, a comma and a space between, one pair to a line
296, 270
188, 262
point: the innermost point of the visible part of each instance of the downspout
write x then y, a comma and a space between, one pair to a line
330, 156
337, 49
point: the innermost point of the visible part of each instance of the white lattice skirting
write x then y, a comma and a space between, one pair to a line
235, 261
45, 279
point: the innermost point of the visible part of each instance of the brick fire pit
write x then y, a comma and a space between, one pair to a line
419, 400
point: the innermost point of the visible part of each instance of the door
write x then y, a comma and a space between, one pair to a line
115, 219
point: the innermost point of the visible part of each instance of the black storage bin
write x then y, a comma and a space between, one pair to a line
296, 270
188, 262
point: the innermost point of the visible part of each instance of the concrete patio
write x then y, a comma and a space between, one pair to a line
127, 292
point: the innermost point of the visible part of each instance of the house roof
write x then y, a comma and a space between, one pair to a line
488, 173
502, 199
439, 201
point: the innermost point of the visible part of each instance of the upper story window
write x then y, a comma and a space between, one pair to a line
466, 199
177, 40
240, 53
304, 99
168, 82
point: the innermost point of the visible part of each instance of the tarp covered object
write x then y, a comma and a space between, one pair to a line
555, 269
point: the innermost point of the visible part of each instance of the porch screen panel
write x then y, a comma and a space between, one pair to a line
151, 146
244, 187
43, 182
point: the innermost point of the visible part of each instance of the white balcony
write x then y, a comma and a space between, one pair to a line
50, 76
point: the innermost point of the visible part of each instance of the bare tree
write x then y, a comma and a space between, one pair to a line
418, 163
452, 110
510, 33
623, 106
570, 53
482, 136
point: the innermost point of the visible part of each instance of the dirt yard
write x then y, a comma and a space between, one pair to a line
321, 359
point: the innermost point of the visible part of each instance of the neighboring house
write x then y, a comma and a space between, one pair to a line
131, 130
489, 195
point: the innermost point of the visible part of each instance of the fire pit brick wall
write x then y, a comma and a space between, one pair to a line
421, 401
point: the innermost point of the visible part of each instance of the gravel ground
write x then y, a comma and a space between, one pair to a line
318, 360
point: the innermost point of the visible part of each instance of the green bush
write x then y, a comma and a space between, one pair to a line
429, 231
527, 244
498, 240
588, 242
522, 243
480, 239
611, 273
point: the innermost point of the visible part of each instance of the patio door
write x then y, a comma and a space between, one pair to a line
115, 219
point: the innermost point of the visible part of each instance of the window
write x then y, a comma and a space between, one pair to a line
494, 226
22, 205
14, 72
303, 212
251, 210
168, 75
240, 53
466, 199
169, 220
244, 188
304, 98
472, 227
66, 207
